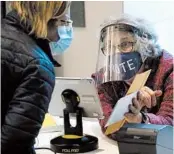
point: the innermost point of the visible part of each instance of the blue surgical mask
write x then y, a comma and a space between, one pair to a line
65, 34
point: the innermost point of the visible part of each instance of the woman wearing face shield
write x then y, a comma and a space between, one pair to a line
128, 46
30, 34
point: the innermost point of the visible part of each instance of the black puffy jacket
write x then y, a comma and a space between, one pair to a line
27, 82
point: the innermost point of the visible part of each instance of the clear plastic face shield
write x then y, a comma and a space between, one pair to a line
118, 59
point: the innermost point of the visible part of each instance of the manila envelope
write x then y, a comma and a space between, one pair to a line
137, 84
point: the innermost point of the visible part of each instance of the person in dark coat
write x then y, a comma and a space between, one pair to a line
30, 34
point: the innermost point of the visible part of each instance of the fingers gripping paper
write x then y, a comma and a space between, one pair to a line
117, 119
120, 109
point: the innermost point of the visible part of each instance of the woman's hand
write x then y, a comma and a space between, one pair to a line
145, 97
134, 116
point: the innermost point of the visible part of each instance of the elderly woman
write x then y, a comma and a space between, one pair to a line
30, 33
129, 46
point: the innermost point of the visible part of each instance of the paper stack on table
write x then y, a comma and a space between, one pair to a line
49, 124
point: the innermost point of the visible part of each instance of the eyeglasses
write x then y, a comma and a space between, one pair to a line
126, 46
64, 23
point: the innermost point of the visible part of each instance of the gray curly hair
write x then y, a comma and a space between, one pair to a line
147, 39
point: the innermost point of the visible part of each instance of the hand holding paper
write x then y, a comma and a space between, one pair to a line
120, 109
117, 119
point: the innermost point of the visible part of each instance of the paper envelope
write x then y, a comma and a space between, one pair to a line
120, 109
114, 127
137, 84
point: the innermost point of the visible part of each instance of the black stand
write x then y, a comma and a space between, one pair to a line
74, 141
78, 130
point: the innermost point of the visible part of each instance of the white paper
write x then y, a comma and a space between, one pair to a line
120, 109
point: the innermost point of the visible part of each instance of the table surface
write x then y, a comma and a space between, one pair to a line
90, 127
